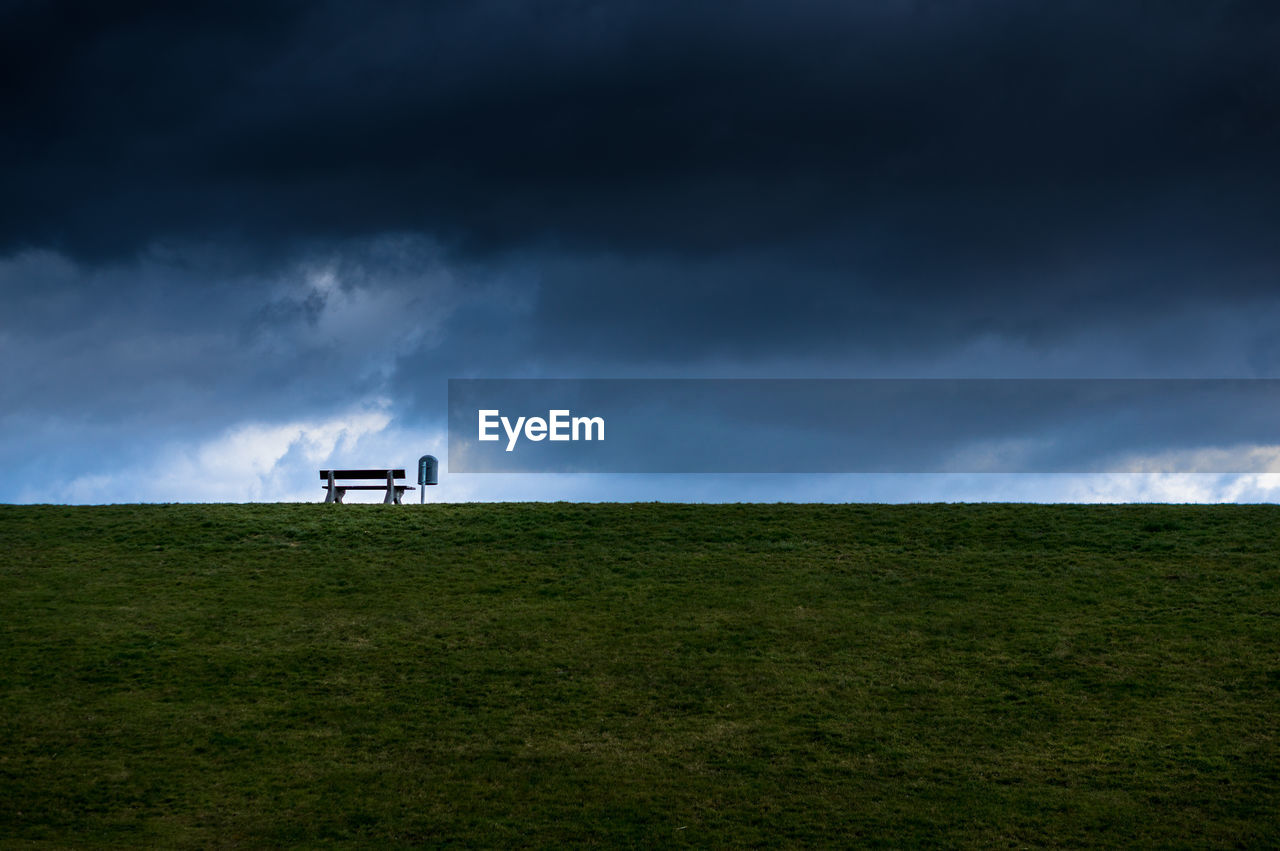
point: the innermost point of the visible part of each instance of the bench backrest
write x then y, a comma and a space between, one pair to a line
381, 475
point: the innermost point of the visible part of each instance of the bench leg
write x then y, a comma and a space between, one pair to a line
331, 496
391, 498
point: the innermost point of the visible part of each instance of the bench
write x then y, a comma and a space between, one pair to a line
388, 478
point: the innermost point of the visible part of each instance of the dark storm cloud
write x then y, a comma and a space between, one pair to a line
196, 340
632, 125
792, 177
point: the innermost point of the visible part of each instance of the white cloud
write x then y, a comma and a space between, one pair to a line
1252, 458
256, 462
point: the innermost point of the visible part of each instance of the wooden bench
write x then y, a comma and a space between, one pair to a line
388, 478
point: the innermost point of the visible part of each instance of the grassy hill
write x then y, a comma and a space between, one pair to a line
640, 675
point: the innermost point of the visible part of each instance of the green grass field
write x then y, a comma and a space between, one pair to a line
640, 675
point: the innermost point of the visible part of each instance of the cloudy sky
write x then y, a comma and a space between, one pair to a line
243, 242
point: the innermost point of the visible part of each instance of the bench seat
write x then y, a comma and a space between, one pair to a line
336, 485
367, 487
